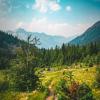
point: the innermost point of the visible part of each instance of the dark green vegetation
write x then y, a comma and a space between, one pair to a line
6, 41
74, 91
22, 66
69, 54
66, 55
97, 80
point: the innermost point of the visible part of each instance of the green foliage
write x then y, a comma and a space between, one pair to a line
97, 81
7, 40
61, 86
4, 86
62, 96
25, 79
74, 91
7, 45
91, 64
9, 96
69, 54
66, 55
84, 92
5, 58
69, 75
61, 90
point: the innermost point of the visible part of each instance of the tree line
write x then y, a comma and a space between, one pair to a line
67, 54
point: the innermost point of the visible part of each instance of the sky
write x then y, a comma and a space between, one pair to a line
54, 17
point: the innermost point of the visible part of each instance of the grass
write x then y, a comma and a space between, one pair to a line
81, 75
50, 79
37, 96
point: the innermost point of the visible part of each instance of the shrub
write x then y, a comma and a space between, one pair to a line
46, 92
90, 64
62, 96
69, 75
84, 92
61, 86
73, 90
97, 82
62, 90
4, 85
24, 79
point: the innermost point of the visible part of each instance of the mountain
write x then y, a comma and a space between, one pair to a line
7, 45
92, 34
8, 40
47, 41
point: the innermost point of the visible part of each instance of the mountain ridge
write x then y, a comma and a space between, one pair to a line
47, 41
92, 34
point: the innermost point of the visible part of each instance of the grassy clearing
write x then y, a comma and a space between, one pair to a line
81, 75
50, 79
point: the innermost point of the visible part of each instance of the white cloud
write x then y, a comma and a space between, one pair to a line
68, 8
19, 24
54, 6
40, 5
53, 28
44, 5
6, 24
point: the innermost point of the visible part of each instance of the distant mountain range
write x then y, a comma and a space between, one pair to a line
92, 34
47, 41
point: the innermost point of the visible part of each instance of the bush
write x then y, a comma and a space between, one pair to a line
4, 85
46, 92
73, 90
90, 64
61, 86
62, 96
84, 92
97, 82
62, 90
24, 79
96, 85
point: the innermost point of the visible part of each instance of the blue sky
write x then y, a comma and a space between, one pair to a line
54, 17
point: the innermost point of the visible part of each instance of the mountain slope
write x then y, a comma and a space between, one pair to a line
8, 40
90, 35
7, 45
47, 41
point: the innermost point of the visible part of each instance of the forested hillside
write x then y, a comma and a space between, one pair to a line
8, 40
7, 45
92, 34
